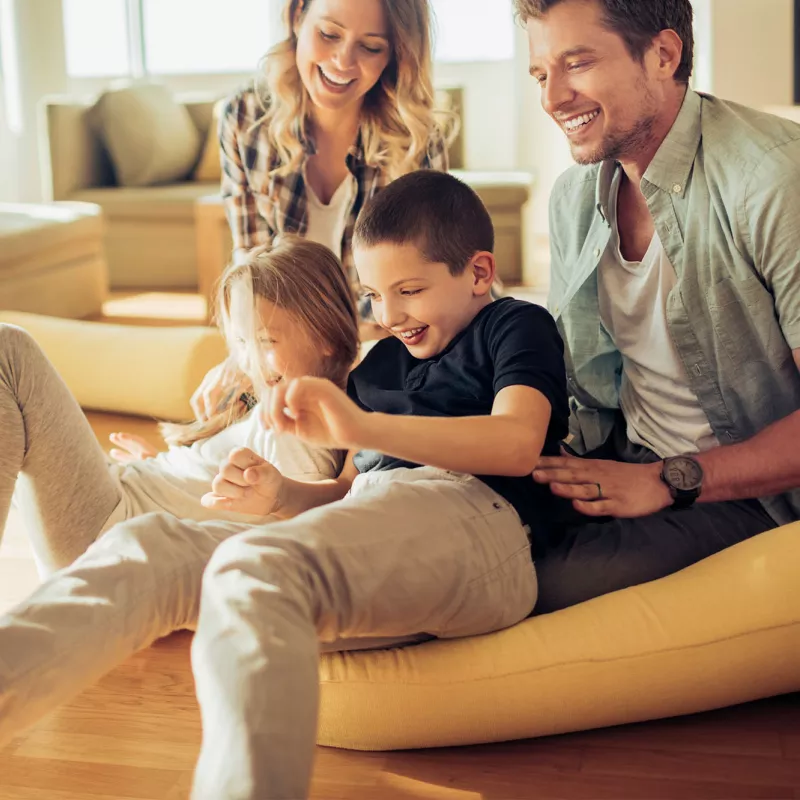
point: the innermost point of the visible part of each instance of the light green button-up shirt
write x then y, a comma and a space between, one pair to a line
724, 193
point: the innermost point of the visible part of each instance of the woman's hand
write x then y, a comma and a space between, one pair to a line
130, 447
318, 412
220, 384
245, 484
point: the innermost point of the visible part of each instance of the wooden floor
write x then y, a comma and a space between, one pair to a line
136, 735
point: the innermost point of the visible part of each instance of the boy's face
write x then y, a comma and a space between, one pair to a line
420, 303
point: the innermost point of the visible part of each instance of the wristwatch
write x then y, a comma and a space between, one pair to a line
684, 478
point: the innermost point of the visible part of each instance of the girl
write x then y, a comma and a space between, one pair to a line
344, 105
67, 491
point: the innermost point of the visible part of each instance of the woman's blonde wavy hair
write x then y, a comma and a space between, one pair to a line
398, 117
304, 279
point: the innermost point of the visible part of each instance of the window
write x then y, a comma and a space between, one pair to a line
474, 30
166, 37
96, 38
205, 36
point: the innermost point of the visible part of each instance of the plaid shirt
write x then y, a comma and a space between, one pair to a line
261, 206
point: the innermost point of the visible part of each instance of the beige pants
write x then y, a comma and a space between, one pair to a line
408, 554
411, 551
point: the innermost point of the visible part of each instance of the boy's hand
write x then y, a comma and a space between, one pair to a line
318, 412
245, 484
130, 447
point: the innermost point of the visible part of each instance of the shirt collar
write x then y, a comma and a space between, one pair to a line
672, 163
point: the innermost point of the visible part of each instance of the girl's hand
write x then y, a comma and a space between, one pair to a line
130, 447
318, 412
220, 384
245, 484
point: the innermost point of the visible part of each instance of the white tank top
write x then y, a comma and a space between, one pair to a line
326, 223
661, 410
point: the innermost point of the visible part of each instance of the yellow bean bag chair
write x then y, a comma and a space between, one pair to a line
724, 631
148, 371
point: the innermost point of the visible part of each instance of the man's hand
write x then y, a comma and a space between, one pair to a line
318, 412
600, 488
245, 484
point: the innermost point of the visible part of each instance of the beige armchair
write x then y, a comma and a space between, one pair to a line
150, 231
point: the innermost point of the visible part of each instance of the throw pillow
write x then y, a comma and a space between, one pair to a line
150, 137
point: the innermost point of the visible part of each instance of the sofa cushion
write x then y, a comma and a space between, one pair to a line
153, 203
150, 137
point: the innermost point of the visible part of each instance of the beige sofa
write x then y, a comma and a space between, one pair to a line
152, 232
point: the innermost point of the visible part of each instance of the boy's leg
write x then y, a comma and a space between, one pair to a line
49, 453
418, 552
139, 581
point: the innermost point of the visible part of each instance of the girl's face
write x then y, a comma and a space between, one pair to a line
343, 48
283, 348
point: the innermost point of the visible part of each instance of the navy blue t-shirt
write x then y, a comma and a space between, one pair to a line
509, 343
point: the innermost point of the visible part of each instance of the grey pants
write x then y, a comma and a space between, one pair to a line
597, 556
49, 455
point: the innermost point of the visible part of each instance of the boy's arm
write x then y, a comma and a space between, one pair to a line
295, 497
248, 484
508, 442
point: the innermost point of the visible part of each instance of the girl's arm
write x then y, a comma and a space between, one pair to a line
507, 442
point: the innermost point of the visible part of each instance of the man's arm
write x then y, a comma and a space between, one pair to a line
766, 464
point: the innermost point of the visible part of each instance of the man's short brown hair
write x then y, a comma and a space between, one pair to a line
636, 22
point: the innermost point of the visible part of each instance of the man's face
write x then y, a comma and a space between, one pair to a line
604, 100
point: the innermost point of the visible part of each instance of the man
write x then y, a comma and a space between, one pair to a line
675, 284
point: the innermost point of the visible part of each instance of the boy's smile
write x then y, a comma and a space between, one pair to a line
421, 303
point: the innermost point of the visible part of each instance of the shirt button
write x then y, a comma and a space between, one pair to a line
597, 252
677, 188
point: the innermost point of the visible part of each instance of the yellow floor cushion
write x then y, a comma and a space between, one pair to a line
724, 631
148, 371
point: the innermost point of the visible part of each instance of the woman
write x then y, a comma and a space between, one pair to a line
344, 105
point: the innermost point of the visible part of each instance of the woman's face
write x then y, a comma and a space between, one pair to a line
343, 47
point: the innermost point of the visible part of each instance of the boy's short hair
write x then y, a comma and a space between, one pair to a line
439, 214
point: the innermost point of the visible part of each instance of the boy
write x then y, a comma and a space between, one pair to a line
465, 385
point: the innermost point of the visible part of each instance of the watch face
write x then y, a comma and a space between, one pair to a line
684, 474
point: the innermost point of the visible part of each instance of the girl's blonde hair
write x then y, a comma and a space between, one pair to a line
398, 117
307, 281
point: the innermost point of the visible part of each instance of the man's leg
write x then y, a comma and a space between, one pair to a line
598, 557
139, 581
443, 556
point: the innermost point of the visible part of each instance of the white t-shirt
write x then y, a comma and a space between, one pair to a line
175, 481
326, 223
660, 408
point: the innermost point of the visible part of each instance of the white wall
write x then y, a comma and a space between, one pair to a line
752, 51
42, 71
